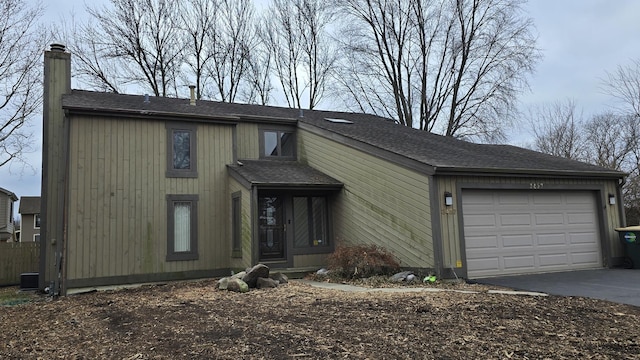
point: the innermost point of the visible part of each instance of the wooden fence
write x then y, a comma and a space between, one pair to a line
17, 258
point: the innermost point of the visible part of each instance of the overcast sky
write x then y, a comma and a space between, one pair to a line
580, 40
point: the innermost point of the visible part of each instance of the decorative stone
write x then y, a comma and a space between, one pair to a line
279, 277
239, 275
401, 276
265, 283
222, 283
237, 285
258, 271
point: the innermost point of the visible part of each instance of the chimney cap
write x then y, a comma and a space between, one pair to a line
58, 47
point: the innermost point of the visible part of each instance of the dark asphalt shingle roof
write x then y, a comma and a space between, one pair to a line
442, 153
29, 205
286, 173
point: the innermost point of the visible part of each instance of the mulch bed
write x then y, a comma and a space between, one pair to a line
296, 321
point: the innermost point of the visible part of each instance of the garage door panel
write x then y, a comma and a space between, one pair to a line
552, 239
549, 219
518, 262
525, 240
554, 259
579, 218
481, 220
545, 199
583, 238
535, 231
484, 242
512, 199
515, 220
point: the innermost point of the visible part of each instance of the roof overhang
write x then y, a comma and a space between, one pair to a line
281, 175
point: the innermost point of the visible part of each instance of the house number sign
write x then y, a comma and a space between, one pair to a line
536, 185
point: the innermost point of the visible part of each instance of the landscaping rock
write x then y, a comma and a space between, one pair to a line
258, 271
239, 275
222, 283
401, 276
265, 283
237, 285
279, 277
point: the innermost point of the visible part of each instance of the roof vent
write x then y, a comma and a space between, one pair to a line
58, 47
339, 121
146, 98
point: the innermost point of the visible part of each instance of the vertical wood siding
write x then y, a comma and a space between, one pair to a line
381, 203
247, 141
451, 236
245, 218
117, 221
17, 258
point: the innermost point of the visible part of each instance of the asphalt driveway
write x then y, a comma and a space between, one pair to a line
616, 285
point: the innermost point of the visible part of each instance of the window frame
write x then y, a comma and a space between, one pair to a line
192, 254
236, 224
36, 218
310, 249
279, 130
34, 237
193, 154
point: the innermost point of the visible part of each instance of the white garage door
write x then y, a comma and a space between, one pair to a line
516, 232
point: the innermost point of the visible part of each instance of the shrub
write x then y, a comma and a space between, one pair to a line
359, 261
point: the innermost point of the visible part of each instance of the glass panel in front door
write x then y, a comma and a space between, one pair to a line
272, 228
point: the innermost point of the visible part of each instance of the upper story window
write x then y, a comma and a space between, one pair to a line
36, 221
182, 159
280, 143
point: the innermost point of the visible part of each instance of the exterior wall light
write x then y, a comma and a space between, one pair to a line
612, 199
448, 199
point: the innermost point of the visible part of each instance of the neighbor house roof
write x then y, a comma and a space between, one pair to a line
29, 205
272, 173
11, 195
442, 155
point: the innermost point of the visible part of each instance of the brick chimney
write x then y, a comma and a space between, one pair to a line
57, 82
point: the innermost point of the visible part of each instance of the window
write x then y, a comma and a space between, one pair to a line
182, 227
236, 226
182, 159
36, 221
279, 143
36, 237
311, 228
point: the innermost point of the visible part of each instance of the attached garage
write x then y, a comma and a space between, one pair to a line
510, 232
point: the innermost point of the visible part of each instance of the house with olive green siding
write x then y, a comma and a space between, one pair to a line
139, 188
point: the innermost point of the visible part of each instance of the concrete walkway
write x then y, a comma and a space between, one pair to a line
616, 285
352, 288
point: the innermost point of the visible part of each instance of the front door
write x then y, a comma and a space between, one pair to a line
272, 237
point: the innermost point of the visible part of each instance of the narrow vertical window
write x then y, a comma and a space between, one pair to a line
311, 224
182, 222
36, 221
236, 226
181, 150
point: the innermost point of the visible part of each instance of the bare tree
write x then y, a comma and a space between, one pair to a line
448, 66
296, 33
142, 36
21, 46
198, 22
231, 39
557, 130
624, 84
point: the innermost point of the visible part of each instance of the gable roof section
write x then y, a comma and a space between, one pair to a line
29, 205
379, 136
9, 194
273, 173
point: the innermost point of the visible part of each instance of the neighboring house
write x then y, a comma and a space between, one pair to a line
7, 226
30, 218
139, 188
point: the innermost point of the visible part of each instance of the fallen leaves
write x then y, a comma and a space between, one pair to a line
296, 321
